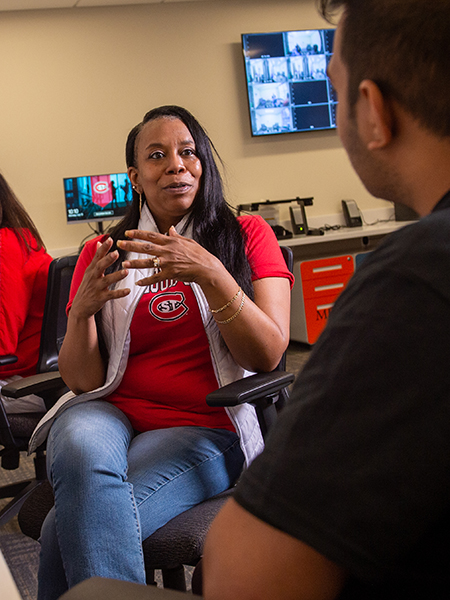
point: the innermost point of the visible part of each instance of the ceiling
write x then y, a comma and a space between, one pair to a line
40, 4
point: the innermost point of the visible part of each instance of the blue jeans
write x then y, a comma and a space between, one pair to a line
113, 488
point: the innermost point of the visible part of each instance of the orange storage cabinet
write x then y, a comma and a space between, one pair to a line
318, 284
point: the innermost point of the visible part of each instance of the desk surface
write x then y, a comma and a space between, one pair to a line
345, 233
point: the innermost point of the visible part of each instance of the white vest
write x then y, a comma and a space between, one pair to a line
116, 319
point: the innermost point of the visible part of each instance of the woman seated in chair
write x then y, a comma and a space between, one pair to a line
182, 298
24, 267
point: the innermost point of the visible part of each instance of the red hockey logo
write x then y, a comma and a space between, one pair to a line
102, 191
101, 187
168, 306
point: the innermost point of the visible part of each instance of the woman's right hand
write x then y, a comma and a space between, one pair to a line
80, 361
94, 290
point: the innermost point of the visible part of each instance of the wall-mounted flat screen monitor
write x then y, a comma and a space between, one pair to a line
97, 197
287, 85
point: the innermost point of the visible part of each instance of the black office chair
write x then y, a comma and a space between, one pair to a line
16, 428
180, 541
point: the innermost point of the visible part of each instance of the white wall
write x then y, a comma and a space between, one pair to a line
75, 81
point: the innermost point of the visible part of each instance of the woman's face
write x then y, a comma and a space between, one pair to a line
168, 170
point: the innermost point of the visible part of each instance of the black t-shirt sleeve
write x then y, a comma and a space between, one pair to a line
358, 464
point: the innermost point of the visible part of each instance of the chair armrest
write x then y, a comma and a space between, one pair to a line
250, 389
8, 359
34, 384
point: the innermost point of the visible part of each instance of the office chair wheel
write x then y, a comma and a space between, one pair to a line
10, 459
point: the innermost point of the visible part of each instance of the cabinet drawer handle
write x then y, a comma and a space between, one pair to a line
329, 268
325, 306
331, 286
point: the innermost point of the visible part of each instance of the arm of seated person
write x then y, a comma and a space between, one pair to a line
248, 559
258, 338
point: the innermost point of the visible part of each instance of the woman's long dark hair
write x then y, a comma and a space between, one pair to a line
215, 227
14, 216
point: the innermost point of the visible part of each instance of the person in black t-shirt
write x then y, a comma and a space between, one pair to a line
351, 496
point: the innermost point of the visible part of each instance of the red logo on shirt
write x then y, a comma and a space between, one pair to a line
168, 306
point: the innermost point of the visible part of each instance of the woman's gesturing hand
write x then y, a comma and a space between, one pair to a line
177, 257
260, 335
94, 290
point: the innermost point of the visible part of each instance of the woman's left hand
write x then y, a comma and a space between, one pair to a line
174, 257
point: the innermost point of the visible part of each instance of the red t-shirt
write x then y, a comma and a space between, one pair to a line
169, 371
23, 286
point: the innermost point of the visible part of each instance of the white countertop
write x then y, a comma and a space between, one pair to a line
345, 233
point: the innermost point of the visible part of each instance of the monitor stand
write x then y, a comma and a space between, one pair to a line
99, 229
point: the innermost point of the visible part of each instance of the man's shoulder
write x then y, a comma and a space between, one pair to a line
409, 263
427, 230
420, 248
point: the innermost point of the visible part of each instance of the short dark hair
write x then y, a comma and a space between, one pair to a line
14, 216
401, 45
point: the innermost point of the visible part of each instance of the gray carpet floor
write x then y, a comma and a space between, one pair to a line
22, 553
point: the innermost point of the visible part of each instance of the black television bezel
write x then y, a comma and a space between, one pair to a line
332, 99
118, 212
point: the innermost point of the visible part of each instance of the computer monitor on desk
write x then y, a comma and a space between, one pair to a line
97, 198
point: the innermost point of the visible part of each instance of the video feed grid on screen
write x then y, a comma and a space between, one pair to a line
287, 85
97, 197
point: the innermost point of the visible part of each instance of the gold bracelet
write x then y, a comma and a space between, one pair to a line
218, 310
235, 314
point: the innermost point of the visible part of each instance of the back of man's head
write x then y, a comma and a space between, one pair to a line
401, 45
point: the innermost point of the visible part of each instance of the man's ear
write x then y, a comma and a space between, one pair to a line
375, 117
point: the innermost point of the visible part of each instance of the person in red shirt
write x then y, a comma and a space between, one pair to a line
180, 299
24, 265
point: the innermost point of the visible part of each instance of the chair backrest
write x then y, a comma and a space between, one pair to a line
288, 256
54, 323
